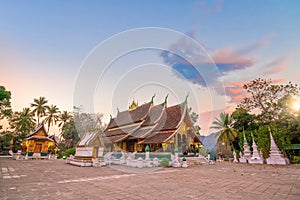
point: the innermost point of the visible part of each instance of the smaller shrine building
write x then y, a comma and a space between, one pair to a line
38, 141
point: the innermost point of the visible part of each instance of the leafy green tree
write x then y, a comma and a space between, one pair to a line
244, 123
87, 122
194, 117
243, 120
70, 134
40, 107
23, 122
5, 104
52, 116
264, 97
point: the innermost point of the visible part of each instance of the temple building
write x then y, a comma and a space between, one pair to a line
38, 141
161, 127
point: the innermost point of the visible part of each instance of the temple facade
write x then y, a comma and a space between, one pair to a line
38, 141
160, 127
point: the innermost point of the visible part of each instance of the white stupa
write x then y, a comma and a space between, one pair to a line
276, 158
247, 152
255, 158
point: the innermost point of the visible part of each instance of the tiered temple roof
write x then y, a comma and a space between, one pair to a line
149, 123
39, 134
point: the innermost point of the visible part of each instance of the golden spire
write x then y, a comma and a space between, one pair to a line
133, 105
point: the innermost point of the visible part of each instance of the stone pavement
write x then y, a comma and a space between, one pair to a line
53, 179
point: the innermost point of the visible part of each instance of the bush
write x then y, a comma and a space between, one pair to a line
164, 162
296, 159
70, 151
183, 159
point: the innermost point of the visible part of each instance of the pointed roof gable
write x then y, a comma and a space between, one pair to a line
171, 118
39, 131
130, 116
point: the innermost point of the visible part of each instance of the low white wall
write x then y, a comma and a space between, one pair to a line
84, 151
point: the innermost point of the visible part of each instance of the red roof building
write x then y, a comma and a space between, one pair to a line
162, 128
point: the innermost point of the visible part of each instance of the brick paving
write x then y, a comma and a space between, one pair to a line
53, 179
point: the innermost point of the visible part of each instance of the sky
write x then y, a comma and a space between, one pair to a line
46, 46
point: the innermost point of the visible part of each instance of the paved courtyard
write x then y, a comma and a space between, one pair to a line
53, 179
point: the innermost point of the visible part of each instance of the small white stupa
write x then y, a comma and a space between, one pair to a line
247, 152
255, 158
276, 158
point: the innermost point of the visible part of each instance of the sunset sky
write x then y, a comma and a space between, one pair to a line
44, 44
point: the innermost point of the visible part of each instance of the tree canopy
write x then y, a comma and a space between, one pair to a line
5, 104
264, 98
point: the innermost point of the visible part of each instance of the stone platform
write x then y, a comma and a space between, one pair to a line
53, 179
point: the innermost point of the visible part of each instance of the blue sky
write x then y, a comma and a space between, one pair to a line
43, 43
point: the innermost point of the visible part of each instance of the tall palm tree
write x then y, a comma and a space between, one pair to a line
52, 116
226, 133
40, 107
64, 117
23, 122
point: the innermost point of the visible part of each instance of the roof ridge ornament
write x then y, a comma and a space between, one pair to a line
118, 110
152, 98
186, 98
166, 98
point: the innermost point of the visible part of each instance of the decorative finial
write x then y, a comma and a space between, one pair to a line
110, 116
147, 149
118, 110
176, 149
152, 98
186, 98
166, 98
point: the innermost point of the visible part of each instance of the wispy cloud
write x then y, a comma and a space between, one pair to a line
228, 60
254, 46
277, 66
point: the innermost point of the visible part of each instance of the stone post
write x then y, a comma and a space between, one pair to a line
176, 152
147, 150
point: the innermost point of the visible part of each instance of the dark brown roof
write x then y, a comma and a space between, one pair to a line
154, 114
115, 138
155, 123
158, 137
121, 130
170, 118
142, 132
130, 116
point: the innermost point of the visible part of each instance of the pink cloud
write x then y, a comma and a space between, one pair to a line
277, 66
230, 60
236, 91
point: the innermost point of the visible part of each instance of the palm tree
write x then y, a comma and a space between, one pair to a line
40, 107
23, 122
64, 117
52, 116
226, 133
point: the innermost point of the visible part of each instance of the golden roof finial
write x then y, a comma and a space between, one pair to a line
133, 105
